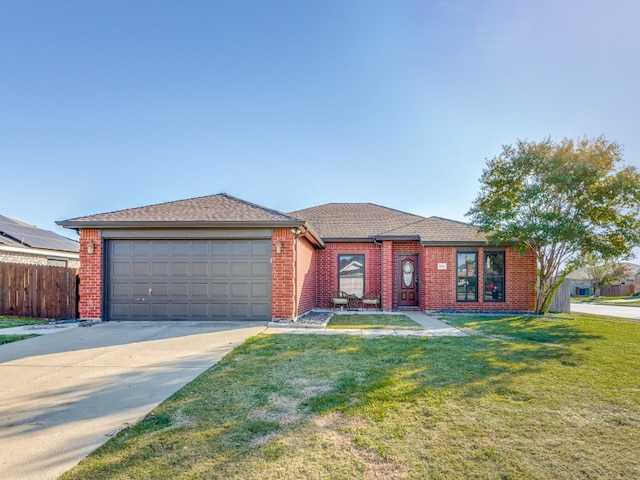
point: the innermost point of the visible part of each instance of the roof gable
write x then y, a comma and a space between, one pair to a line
16, 233
354, 220
212, 208
358, 221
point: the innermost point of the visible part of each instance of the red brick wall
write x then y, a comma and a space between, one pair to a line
438, 289
306, 276
282, 274
90, 289
327, 268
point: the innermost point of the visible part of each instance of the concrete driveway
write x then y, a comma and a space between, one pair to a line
607, 310
64, 395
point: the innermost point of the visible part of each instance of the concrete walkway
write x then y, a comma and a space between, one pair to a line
432, 327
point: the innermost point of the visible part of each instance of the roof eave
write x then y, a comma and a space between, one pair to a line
454, 243
104, 224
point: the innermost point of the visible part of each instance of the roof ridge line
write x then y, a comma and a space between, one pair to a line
261, 207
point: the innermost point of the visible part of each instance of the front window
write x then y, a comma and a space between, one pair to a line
494, 277
467, 277
351, 274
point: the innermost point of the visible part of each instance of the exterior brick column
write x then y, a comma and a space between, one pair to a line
282, 274
90, 288
387, 275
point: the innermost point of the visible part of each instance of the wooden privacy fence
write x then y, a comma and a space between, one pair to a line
616, 291
562, 300
39, 291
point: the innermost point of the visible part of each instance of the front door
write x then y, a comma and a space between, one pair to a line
408, 281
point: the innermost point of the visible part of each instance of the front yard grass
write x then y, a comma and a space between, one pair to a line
367, 321
14, 338
529, 398
9, 322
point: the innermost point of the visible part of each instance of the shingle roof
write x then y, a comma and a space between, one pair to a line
331, 221
16, 233
212, 208
441, 230
352, 221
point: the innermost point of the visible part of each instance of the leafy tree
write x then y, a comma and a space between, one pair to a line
601, 272
561, 200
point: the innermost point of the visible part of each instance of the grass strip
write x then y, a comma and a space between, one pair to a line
376, 321
14, 338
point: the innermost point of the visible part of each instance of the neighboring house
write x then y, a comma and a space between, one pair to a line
219, 257
581, 284
23, 243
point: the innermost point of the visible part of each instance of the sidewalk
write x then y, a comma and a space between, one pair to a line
432, 328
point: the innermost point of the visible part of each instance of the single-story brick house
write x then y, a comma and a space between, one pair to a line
220, 257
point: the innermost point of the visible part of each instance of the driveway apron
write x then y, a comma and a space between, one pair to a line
64, 395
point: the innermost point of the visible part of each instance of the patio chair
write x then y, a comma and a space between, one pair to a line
371, 300
339, 299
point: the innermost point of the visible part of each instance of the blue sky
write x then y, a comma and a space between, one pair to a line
114, 104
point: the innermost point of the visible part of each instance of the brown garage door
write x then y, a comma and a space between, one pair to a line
189, 279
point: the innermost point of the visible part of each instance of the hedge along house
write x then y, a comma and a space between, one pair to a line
219, 257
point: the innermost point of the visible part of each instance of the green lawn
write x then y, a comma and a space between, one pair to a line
628, 301
369, 321
9, 322
527, 398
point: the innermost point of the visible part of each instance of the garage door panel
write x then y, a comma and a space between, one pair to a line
182, 279
261, 249
219, 310
260, 290
141, 250
240, 290
140, 289
220, 290
179, 249
179, 310
120, 269
160, 269
239, 310
199, 310
241, 249
240, 269
140, 269
199, 290
200, 249
260, 270
200, 269
160, 310
160, 289
140, 310
120, 289
219, 269
260, 310
179, 290
161, 249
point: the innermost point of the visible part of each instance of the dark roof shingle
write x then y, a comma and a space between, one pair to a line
212, 208
353, 220
366, 220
